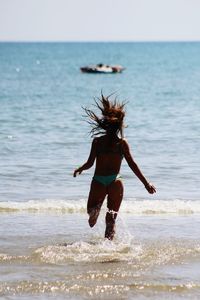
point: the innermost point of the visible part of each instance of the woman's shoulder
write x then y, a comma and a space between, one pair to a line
123, 141
98, 140
124, 144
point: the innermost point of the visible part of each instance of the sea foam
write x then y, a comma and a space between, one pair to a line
132, 206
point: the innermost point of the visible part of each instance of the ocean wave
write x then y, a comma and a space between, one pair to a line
132, 206
61, 206
82, 291
111, 291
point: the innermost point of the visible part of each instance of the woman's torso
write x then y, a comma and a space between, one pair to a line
109, 155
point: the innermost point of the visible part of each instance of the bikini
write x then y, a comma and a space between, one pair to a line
108, 179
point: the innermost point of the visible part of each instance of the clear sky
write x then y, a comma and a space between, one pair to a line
99, 20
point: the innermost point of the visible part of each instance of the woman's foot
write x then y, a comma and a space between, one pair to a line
110, 231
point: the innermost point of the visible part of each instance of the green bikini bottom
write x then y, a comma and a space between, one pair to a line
106, 180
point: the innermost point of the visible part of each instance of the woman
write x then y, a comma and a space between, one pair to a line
108, 150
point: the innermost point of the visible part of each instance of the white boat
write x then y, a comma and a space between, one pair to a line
101, 68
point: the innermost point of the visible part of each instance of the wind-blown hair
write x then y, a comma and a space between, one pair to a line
111, 120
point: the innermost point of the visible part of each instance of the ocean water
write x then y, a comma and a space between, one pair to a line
47, 250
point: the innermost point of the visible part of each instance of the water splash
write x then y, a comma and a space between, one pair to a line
146, 254
90, 252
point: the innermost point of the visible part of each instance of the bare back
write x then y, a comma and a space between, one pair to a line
109, 155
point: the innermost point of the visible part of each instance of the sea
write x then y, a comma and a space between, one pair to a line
47, 249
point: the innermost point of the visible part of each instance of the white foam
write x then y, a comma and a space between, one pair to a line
176, 206
47, 205
119, 250
132, 206
96, 251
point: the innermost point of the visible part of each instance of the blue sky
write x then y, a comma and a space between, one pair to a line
99, 20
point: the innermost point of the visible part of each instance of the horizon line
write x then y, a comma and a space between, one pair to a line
99, 41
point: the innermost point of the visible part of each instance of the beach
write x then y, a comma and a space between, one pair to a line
47, 249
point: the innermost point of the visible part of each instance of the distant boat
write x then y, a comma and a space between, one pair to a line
101, 68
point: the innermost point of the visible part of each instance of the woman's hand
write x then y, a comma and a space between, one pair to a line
79, 171
150, 188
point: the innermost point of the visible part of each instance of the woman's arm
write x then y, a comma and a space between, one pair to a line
90, 160
134, 167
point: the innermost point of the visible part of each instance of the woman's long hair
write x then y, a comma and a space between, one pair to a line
111, 119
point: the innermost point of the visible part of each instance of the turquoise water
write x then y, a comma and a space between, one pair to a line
44, 137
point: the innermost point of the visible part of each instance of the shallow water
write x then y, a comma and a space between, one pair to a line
53, 255
47, 250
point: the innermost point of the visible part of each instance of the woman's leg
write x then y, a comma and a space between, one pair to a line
95, 200
115, 195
